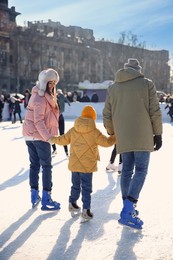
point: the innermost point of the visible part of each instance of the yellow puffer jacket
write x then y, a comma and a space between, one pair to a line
84, 139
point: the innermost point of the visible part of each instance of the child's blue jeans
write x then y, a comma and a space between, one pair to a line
81, 184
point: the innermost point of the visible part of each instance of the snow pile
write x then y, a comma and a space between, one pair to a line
87, 85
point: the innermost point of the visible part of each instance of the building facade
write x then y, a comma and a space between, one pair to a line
72, 51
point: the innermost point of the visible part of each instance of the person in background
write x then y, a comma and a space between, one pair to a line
16, 108
75, 97
133, 114
85, 97
161, 98
1, 106
27, 95
10, 106
40, 124
84, 139
111, 166
169, 105
95, 97
61, 100
69, 96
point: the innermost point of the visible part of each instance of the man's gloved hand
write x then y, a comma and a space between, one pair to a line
157, 142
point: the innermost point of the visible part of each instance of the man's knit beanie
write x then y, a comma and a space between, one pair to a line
134, 64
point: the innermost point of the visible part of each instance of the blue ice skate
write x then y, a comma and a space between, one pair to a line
35, 198
128, 223
135, 211
128, 216
48, 203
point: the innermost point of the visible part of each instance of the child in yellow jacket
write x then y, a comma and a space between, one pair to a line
84, 139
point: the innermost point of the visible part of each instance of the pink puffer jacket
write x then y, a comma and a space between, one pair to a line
41, 118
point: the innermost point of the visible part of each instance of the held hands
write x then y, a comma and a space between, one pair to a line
157, 142
52, 139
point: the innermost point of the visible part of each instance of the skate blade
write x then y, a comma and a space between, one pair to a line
49, 208
112, 170
75, 214
84, 220
129, 225
36, 203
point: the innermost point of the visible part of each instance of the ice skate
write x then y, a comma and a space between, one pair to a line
86, 216
129, 223
111, 167
128, 216
136, 212
35, 198
74, 209
120, 166
54, 153
48, 203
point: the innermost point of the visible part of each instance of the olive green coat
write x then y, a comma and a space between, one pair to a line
132, 111
84, 139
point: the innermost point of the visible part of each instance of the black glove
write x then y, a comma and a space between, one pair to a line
157, 142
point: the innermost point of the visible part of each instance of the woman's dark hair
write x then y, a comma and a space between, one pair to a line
48, 90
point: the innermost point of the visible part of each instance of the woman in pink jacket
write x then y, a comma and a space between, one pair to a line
41, 123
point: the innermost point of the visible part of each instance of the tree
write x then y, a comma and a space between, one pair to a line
128, 38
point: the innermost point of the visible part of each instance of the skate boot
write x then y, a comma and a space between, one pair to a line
86, 215
48, 203
136, 212
111, 167
35, 198
74, 209
128, 216
120, 166
54, 153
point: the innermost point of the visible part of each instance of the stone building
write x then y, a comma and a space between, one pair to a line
72, 51
7, 27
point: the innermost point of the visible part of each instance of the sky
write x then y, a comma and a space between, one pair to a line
150, 20
27, 233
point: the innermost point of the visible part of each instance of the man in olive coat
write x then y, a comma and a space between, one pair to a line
133, 114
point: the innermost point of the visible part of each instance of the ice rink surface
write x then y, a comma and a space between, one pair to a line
29, 234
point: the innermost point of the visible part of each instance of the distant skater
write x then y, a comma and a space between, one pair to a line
111, 166
61, 100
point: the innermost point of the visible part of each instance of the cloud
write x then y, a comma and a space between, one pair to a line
94, 14
106, 18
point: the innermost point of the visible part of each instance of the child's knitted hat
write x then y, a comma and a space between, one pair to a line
89, 111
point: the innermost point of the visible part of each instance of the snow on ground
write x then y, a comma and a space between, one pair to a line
28, 234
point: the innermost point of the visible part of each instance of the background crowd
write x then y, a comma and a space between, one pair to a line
15, 100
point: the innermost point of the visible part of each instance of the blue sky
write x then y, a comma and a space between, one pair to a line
150, 20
